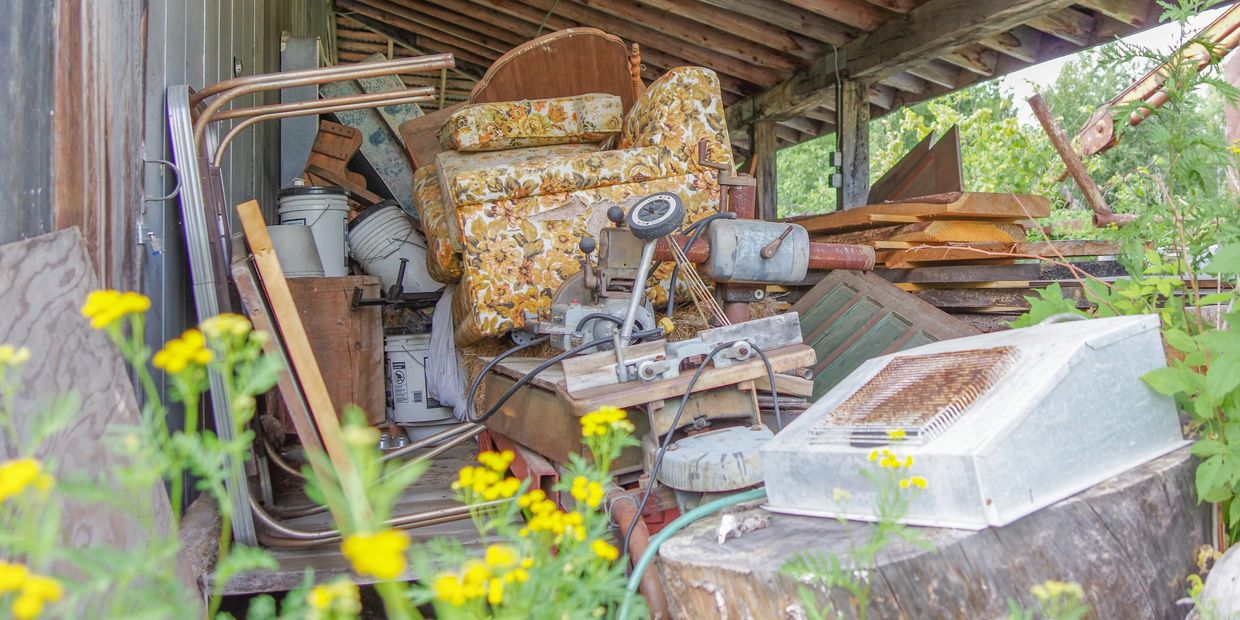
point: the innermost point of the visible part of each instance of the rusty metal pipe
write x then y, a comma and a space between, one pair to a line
822, 256
325, 74
624, 511
243, 125
409, 521
277, 81
226, 115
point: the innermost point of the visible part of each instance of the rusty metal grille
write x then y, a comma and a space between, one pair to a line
919, 394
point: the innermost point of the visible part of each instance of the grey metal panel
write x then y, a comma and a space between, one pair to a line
297, 134
26, 29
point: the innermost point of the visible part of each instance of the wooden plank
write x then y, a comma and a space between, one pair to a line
923, 33
931, 167
973, 57
914, 286
970, 205
1022, 43
988, 251
288, 320
941, 231
1008, 299
937, 72
1069, 24
852, 136
756, 30
853, 13
1142, 528
986, 273
1138, 13
255, 307
349, 342
791, 19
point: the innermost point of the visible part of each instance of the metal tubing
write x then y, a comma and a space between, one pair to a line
429, 441
635, 300
277, 81
226, 115
410, 521
235, 131
331, 73
822, 256
275, 457
452, 443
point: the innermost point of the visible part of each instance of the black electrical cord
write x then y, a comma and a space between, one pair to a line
529, 376
598, 315
697, 228
473, 388
667, 441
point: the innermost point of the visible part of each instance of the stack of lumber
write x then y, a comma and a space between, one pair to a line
966, 252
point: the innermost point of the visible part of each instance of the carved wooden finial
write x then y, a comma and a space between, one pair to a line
635, 68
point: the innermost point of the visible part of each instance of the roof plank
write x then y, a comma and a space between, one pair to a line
1069, 24
466, 20
973, 57
790, 18
753, 29
855, 13
1021, 42
1139, 13
695, 32
423, 24
925, 32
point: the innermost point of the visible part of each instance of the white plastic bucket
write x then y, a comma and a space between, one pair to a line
296, 251
406, 358
325, 210
380, 237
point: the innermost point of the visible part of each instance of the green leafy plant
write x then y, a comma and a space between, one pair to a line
1057, 600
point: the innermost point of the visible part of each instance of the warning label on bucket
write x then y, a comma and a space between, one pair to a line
400, 383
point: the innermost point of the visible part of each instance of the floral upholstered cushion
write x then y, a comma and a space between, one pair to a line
518, 252
515, 124
555, 175
443, 237
452, 164
678, 110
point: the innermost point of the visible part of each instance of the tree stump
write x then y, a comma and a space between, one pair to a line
1130, 542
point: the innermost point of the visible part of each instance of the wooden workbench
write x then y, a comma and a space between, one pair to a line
1130, 542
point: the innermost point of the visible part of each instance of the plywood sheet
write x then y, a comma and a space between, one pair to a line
1006, 207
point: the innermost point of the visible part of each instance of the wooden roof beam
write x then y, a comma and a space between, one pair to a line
906, 82
856, 13
466, 20
973, 57
790, 18
694, 33
400, 15
650, 38
899, 6
923, 33
408, 40
473, 51
938, 73
1137, 13
1021, 42
1069, 24
756, 30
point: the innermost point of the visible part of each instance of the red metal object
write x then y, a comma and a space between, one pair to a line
528, 465
822, 256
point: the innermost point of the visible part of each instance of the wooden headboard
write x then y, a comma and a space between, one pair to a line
569, 62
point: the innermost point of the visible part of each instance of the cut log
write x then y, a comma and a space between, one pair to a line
970, 206
1130, 542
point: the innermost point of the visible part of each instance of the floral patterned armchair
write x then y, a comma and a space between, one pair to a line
520, 212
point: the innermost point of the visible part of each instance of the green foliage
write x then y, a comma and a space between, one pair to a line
1049, 302
1057, 600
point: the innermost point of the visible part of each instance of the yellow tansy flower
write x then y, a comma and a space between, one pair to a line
380, 555
17, 474
36, 591
918, 482
12, 576
13, 356
337, 597
106, 307
896, 434
605, 550
180, 353
224, 324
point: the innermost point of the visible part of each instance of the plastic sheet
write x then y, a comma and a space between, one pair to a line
445, 374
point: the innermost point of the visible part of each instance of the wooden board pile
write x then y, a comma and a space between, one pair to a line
965, 252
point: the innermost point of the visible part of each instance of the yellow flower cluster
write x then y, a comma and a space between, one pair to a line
896, 434
226, 324
605, 550
106, 307
13, 356
606, 419
380, 555
336, 598
488, 481
17, 474
179, 353
33, 591
588, 491
1057, 590
502, 565
915, 481
545, 516
890, 460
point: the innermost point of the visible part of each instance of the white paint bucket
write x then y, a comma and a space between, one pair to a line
324, 210
380, 237
406, 357
296, 251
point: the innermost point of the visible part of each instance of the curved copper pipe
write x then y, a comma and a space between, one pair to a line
226, 115
274, 81
410, 521
333, 71
223, 147
624, 510
282, 464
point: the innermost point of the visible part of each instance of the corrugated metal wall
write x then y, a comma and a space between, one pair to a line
199, 42
26, 38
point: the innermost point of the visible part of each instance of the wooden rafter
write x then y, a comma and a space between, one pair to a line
751, 28
923, 33
470, 20
899, 6
791, 18
408, 41
431, 26
425, 38
856, 13
1069, 24
973, 57
1021, 42
1139, 13
695, 33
